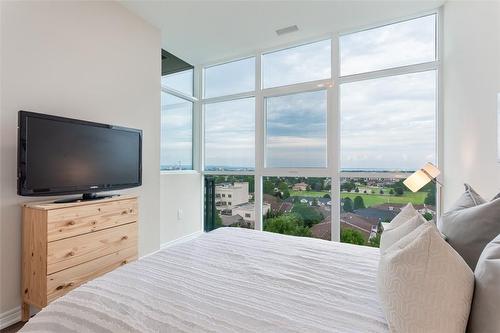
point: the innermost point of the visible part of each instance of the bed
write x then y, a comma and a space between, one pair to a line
229, 280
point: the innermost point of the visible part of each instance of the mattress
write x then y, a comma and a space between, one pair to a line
229, 280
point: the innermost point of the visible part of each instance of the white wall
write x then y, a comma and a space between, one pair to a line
471, 83
89, 60
180, 191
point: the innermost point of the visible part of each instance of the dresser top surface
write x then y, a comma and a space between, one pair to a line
50, 205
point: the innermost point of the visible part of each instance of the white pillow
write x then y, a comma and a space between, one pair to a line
406, 213
392, 235
424, 285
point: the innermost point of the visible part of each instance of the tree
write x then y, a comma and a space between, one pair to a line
365, 192
327, 196
283, 187
268, 187
287, 224
316, 186
428, 216
310, 216
381, 191
430, 199
399, 190
359, 203
347, 186
374, 241
315, 202
356, 190
391, 192
351, 236
347, 206
218, 220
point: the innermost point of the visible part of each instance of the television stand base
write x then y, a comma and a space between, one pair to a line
86, 197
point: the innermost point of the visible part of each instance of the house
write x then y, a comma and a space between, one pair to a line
300, 186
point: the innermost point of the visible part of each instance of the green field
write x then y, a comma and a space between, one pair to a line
372, 199
316, 194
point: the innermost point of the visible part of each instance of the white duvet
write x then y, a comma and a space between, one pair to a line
229, 280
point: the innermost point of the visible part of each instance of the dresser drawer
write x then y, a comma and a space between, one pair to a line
65, 253
68, 222
61, 282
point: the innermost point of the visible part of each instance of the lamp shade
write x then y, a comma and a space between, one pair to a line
421, 177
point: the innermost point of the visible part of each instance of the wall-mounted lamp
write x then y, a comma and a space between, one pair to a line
420, 178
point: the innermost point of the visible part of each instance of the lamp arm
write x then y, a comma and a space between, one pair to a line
430, 177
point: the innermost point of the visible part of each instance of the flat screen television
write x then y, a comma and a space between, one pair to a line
59, 156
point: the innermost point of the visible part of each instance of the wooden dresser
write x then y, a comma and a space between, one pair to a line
67, 244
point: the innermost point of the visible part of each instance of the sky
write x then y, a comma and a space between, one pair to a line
386, 123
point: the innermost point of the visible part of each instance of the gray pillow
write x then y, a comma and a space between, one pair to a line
484, 316
471, 224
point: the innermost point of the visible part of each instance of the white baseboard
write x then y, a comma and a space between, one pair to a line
181, 239
10, 317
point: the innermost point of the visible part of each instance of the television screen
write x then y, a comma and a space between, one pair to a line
64, 156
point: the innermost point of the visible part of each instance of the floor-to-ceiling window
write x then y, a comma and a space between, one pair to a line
229, 140
315, 139
388, 112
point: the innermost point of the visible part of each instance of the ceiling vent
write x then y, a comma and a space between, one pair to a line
287, 30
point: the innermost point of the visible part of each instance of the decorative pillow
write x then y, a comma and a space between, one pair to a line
470, 225
485, 309
424, 285
391, 236
406, 213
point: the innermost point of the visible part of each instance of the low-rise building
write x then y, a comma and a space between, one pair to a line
300, 187
247, 210
228, 195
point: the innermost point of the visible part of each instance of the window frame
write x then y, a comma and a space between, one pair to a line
332, 87
194, 125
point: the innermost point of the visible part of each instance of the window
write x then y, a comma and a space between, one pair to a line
176, 133
388, 123
376, 120
296, 130
299, 206
230, 78
400, 44
298, 64
230, 135
180, 81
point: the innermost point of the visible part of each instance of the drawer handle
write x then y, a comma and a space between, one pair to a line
71, 253
71, 223
125, 237
124, 262
124, 212
67, 285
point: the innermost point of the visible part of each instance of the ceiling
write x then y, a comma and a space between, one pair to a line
201, 32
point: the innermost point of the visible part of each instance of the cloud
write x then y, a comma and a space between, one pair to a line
405, 43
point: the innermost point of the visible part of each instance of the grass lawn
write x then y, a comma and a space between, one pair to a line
371, 199
315, 194
377, 199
